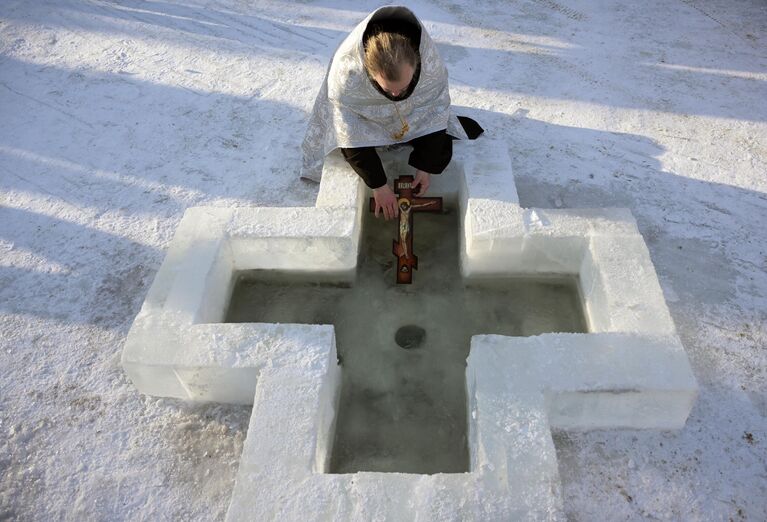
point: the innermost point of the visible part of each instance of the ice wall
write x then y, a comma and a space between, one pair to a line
629, 371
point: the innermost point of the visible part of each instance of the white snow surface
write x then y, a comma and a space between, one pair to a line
117, 116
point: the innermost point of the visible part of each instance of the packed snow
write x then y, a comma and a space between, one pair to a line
117, 116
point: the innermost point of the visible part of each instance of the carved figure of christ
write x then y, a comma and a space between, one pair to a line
402, 247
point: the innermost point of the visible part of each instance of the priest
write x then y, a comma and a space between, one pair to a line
386, 85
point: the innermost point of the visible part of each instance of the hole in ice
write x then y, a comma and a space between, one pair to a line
410, 336
404, 410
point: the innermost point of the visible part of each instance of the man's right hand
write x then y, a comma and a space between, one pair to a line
386, 202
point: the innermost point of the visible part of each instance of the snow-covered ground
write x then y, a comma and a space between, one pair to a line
117, 116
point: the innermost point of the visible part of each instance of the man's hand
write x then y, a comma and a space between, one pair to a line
386, 201
422, 181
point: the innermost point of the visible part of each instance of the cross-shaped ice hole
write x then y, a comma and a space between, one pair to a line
629, 371
405, 410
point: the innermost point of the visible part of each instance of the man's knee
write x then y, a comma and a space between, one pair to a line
432, 153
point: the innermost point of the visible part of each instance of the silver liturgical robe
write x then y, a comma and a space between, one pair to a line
350, 112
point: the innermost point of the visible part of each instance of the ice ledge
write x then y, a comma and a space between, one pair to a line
177, 346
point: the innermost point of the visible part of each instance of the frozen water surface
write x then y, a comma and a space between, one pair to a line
401, 409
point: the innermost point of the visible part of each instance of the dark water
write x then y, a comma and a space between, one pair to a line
404, 409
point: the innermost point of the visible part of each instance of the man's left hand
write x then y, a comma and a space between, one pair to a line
421, 182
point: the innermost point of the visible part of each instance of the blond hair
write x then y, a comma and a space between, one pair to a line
385, 53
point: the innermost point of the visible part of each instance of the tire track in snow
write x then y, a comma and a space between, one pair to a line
44, 190
217, 26
50, 106
257, 31
570, 13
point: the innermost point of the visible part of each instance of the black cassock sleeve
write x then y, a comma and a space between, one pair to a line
366, 163
431, 153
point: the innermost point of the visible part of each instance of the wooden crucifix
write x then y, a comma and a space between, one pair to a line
402, 247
